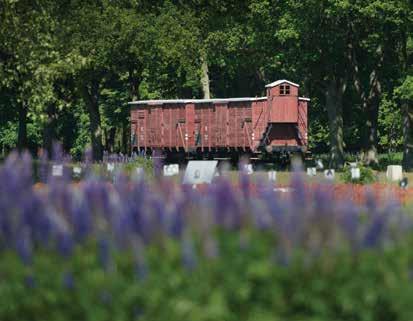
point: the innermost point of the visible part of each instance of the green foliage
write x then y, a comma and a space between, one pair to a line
8, 135
405, 91
238, 285
390, 125
127, 50
141, 162
367, 175
82, 138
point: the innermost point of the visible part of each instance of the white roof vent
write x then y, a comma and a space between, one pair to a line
279, 82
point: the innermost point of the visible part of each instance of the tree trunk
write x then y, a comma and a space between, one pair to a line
370, 156
369, 94
49, 130
110, 140
407, 135
125, 133
134, 82
91, 97
334, 104
205, 77
125, 138
371, 106
22, 132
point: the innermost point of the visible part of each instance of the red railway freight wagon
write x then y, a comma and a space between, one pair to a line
270, 125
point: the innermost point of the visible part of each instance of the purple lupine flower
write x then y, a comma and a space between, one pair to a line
106, 297
245, 185
141, 270
157, 163
261, 215
44, 229
34, 214
97, 195
104, 253
348, 220
281, 257
81, 220
298, 195
227, 208
177, 222
159, 214
68, 280
24, 246
370, 203
244, 241
30, 281
6, 227
137, 312
141, 267
88, 160
43, 167
65, 244
211, 249
57, 152
374, 232
188, 253
26, 170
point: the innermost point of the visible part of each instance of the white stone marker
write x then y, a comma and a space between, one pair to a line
319, 164
272, 176
170, 170
110, 167
200, 172
247, 168
394, 173
57, 170
312, 171
283, 189
355, 173
329, 174
404, 183
77, 170
139, 172
353, 164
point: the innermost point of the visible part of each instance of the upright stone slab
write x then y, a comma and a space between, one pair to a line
200, 172
170, 170
110, 167
355, 173
272, 176
394, 173
247, 168
77, 171
57, 170
139, 173
329, 174
319, 164
353, 164
311, 171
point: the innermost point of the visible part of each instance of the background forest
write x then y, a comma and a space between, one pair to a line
69, 67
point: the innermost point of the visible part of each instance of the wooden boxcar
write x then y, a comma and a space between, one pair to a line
276, 123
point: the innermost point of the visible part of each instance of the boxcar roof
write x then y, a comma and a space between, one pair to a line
279, 82
195, 101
